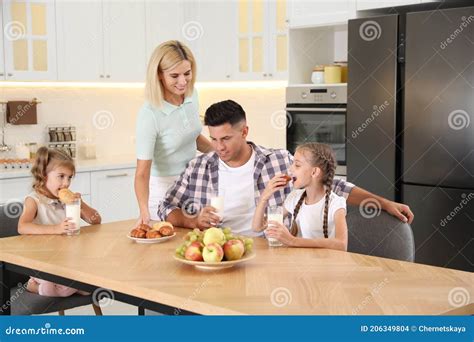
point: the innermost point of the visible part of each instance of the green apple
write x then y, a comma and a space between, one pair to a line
214, 235
212, 252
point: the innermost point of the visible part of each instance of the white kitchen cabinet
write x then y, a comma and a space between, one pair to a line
80, 41
113, 195
164, 20
372, 4
209, 31
29, 40
262, 40
309, 13
124, 41
101, 41
15, 189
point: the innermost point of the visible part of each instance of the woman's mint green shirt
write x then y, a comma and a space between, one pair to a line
167, 136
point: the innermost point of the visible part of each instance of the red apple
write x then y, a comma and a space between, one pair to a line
212, 253
234, 249
194, 251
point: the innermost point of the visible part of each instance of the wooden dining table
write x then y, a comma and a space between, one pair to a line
278, 281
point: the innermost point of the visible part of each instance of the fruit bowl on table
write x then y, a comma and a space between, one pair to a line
214, 266
214, 249
156, 232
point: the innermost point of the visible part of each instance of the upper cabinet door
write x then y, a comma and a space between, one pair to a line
208, 29
124, 43
29, 40
80, 41
306, 13
164, 22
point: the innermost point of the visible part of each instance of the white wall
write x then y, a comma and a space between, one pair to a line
79, 106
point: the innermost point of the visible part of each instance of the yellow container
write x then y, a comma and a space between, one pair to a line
343, 71
332, 74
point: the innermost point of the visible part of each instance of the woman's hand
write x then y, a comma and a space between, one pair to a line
276, 183
143, 219
280, 232
65, 226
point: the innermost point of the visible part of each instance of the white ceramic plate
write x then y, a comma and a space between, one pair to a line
214, 266
157, 240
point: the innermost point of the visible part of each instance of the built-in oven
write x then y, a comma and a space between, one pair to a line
318, 114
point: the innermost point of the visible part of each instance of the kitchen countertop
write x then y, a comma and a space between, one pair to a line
102, 164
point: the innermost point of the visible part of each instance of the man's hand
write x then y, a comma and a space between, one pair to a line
207, 218
399, 210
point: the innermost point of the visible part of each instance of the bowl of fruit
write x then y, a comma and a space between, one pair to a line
214, 249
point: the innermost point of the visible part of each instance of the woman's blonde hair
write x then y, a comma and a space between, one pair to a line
165, 57
322, 156
46, 160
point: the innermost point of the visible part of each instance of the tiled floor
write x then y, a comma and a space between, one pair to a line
115, 308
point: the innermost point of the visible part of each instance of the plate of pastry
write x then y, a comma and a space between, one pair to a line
156, 233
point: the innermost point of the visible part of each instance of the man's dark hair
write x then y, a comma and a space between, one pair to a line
224, 112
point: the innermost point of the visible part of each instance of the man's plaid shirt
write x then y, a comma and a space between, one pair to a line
193, 189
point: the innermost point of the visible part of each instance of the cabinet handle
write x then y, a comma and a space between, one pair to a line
117, 175
270, 75
108, 76
2, 74
264, 75
227, 76
9, 74
101, 76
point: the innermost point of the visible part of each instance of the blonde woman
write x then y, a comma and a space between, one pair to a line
168, 129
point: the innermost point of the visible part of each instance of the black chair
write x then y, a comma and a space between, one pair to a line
22, 301
378, 233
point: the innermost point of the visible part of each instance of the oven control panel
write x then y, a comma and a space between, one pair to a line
316, 94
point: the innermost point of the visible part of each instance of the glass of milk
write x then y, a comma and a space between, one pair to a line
217, 201
274, 213
73, 210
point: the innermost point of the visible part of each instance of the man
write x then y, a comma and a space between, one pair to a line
241, 169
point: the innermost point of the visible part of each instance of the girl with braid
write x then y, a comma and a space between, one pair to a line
319, 215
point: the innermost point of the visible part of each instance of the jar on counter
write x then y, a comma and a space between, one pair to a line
343, 66
332, 74
33, 147
22, 151
317, 77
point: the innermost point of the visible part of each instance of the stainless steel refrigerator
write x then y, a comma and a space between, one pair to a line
410, 121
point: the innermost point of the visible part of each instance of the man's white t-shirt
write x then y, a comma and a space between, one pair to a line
310, 217
239, 196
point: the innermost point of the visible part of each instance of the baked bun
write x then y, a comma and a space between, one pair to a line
138, 233
287, 178
66, 196
165, 228
144, 227
153, 234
